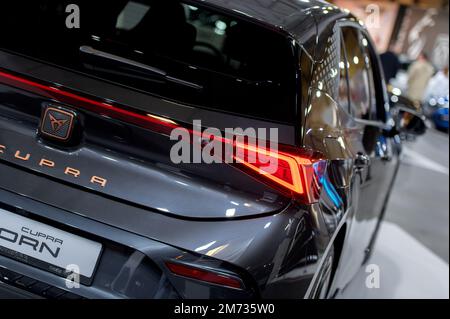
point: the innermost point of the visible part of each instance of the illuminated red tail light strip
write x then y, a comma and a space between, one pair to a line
298, 173
103, 108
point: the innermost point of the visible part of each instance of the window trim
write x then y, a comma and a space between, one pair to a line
342, 44
378, 77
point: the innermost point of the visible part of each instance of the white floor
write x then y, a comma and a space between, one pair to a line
407, 270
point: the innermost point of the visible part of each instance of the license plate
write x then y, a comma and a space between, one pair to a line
47, 247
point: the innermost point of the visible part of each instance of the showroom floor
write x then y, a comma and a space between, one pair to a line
424, 180
412, 249
406, 269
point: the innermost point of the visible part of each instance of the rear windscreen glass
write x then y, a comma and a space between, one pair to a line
179, 51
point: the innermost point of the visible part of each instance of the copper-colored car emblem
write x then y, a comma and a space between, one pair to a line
57, 123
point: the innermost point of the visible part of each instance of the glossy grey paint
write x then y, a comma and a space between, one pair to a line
332, 130
137, 181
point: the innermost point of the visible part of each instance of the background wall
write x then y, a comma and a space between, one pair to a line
379, 17
425, 30
412, 25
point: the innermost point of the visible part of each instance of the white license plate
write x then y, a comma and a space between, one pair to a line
46, 247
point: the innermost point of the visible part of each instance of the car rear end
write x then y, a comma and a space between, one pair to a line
91, 203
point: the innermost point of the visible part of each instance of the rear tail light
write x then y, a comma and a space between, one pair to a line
99, 106
297, 171
207, 276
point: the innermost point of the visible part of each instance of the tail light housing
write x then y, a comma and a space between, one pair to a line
297, 171
205, 275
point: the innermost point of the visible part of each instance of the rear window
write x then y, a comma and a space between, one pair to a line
179, 51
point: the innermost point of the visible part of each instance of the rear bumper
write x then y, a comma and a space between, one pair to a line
275, 256
11, 292
124, 270
130, 266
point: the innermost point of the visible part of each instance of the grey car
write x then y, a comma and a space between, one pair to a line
91, 204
